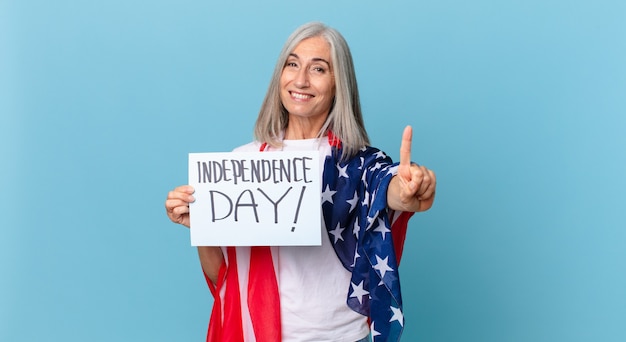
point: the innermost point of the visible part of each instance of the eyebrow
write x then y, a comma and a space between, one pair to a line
315, 59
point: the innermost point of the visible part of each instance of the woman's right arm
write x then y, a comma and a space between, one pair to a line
177, 208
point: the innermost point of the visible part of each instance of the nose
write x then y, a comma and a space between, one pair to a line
302, 78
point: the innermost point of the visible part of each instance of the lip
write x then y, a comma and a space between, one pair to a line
298, 96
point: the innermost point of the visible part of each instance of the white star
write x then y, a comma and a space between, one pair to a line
356, 256
342, 171
353, 201
382, 229
380, 154
382, 266
374, 196
358, 292
337, 233
366, 199
373, 331
376, 166
327, 195
362, 161
356, 228
392, 170
364, 178
397, 316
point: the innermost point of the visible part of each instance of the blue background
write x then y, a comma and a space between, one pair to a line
519, 106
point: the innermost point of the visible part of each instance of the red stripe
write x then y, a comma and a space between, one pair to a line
333, 140
229, 327
398, 233
263, 298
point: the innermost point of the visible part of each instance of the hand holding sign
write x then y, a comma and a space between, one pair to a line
413, 188
177, 204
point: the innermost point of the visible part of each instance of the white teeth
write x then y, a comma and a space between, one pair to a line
301, 96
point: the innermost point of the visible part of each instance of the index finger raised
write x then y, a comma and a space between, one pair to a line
405, 147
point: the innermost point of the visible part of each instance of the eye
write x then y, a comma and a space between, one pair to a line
318, 69
291, 64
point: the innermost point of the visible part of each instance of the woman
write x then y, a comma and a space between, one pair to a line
348, 288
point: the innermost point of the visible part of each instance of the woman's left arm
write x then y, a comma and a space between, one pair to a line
413, 187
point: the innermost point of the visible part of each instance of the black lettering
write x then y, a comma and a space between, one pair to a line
267, 170
285, 171
230, 205
295, 219
225, 169
275, 203
295, 169
305, 169
244, 170
236, 170
252, 204
255, 171
275, 170
217, 171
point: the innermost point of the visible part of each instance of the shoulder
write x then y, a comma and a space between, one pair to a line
249, 147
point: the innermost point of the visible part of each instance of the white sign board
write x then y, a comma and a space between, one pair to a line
255, 199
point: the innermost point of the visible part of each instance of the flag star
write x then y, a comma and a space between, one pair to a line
362, 161
358, 291
364, 178
327, 195
382, 266
380, 154
397, 316
374, 195
382, 228
337, 232
342, 171
374, 332
353, 201
392, 170
356, 256
356, 228
366, 199
377, 166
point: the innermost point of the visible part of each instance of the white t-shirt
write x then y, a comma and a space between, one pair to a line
313, 284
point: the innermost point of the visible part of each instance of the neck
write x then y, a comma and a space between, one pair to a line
303, 128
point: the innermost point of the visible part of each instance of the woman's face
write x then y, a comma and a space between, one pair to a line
307, 84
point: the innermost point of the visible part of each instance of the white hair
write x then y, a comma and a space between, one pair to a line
344, 119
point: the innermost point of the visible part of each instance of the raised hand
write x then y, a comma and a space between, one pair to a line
413, 188
177, 204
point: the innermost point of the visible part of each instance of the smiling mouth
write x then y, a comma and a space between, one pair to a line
299, 96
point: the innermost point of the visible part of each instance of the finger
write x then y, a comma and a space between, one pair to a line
172, 206
175, 202
429, 191
425, 177
416, 179
181, 210
405, 147
182, 194
188, 189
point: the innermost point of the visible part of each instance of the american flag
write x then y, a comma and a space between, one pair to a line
359, 224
